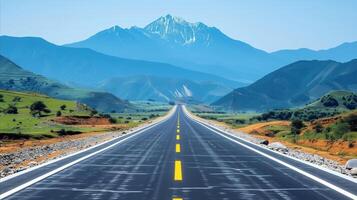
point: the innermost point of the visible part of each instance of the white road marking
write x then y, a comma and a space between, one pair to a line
275, 189
29, 183
315, 178
85, 190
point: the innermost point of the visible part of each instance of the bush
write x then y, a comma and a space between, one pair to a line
351, 120
58, 113
38, 107
11, 109
144, 118
93, 112
319, 128
338, 130
296, 126
112, 120
63, 107
63, 132
16, 99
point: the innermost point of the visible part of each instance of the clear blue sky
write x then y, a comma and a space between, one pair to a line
265, 24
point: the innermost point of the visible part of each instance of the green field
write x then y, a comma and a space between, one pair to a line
145, 110
24, 124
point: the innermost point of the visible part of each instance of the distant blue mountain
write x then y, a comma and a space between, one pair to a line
342, 53
199, 47
164, 89
192, 45
293, 85
87, 68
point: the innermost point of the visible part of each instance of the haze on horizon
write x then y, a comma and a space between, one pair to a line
272, 25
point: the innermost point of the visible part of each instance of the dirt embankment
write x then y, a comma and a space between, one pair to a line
339, 151
82, 120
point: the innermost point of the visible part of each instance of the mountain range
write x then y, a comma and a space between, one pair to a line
164, 89
293, 85
160, 61
87, 68
199, 47
13, 77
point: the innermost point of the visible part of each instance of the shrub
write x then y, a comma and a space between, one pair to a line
16, 99
93, 112
38, 107
351, 120
63, 107
58, 113
11, 109
296, 126
338, 130
319, 128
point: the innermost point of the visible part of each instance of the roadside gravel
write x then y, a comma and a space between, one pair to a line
276, 146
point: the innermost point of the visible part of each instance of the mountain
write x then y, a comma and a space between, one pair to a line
164, 89
342, 53
192, 45
293, 85
13, 77
87, 67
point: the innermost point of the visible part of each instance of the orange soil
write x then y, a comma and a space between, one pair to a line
337, 151
79, 120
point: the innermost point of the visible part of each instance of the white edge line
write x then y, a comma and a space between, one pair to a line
354, 180
27, 184
330, 185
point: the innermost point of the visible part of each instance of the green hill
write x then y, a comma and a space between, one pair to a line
293, 85
338, 100
22, 124
13, 77
331, 104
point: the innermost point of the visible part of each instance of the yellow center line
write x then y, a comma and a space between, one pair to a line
177, 198
178, 130
177, 137
178, 148
178, 171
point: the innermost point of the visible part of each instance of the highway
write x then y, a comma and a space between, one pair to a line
178, 159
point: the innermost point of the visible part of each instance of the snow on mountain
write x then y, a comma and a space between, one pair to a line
175, 29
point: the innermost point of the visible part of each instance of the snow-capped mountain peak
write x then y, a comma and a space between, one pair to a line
177, 30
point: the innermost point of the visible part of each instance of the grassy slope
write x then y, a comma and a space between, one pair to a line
25, 123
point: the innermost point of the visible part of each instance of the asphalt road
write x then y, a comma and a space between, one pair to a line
181, 159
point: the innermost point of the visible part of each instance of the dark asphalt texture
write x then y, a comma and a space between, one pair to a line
213, 167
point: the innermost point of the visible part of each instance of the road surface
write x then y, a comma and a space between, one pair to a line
178, 159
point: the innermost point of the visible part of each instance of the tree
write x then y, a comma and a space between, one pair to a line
63, 107
58, 114
319, 128
11, 110
296, 126
16, 99
93, 112
37, 107
1, 98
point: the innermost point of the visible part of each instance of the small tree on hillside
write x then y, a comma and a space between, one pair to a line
37, 107
63, 107
296, 126
11, 110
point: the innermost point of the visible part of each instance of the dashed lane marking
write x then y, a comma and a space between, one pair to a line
178, 171
178, 148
